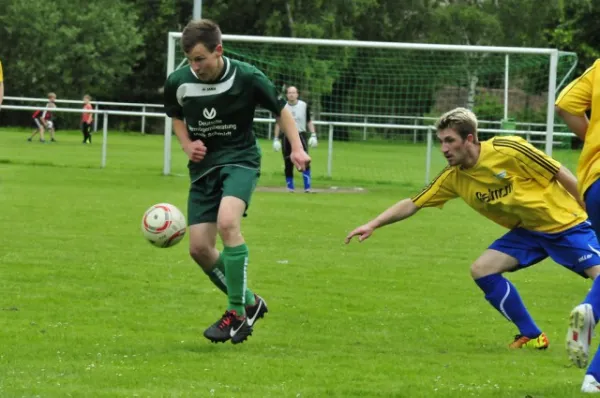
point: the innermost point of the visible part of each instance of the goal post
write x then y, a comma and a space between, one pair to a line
171, 49
369, 98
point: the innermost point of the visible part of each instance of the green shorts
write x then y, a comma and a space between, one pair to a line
206, 193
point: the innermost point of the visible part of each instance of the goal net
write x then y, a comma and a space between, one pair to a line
374, 103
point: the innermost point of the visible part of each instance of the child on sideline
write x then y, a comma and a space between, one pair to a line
42, 120
86, 120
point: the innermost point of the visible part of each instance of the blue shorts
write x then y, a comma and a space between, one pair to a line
577, 248
592, 205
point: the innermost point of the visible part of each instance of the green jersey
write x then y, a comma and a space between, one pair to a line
220, 113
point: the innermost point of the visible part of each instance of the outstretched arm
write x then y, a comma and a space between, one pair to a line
400, 211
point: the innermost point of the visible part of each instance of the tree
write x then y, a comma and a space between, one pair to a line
73, 47
315, 69
524, 22
396, 21
578, 30
156, 18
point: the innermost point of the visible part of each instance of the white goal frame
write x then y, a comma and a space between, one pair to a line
553, 55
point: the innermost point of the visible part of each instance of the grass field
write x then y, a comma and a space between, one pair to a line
89, 309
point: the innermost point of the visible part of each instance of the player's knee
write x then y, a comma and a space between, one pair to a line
479, 269
229, 228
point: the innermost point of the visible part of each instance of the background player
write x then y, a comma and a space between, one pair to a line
87, 119
42, 120
301, 113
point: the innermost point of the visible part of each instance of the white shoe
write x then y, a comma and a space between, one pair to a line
590, 384
579, 336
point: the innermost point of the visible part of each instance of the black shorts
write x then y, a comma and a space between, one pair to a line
287, 147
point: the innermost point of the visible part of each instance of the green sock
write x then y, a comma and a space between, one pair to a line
236, 261
217, 277
217, 274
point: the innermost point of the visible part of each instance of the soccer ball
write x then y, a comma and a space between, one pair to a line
163, 225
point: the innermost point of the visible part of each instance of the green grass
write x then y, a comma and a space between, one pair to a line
89, 309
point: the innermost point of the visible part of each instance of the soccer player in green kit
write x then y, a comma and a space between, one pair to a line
212, 103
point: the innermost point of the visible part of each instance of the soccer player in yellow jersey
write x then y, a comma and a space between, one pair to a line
581, 95
512, 183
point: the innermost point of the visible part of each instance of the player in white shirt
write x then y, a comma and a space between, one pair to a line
301, 113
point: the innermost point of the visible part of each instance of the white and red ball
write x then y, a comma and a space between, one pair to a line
163, 225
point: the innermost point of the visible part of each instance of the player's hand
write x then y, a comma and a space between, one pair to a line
300, 159
363, 232
276, 145
312, 141
195, 150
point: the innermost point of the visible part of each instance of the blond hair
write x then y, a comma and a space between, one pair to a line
461, 120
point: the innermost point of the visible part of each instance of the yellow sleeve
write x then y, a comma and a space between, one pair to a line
528, 158
1, 75
438, 192
576, 98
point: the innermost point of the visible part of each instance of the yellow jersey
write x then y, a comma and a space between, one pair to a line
1, 75
580, 95
512, 184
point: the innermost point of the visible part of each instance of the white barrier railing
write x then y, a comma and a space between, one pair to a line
97, 105
166, 170
104, 113
366, 118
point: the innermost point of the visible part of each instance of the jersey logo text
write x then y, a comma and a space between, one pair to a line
494, 194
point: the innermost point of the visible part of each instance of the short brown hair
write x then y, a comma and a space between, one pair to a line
202, 31
461, 120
